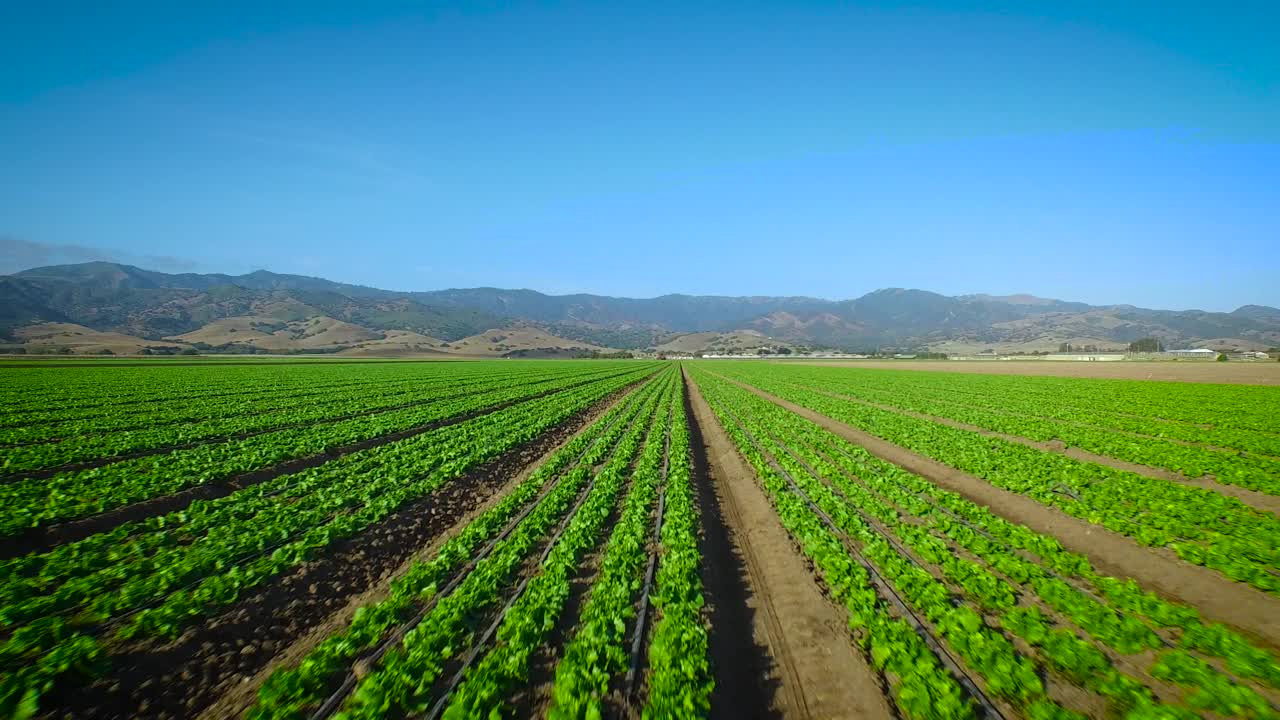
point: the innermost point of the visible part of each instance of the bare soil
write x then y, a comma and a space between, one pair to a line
1248, 610
815, 671
214, 669
744, 679
1235, 373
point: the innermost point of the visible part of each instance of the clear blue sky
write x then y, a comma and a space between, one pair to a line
1113, 151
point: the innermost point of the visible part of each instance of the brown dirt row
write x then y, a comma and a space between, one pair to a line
536, 696
744, 676
815, 671
45, 538
1252, 498
214, 669
1234, 373
464, 657
1158, 569
530, 567
534, 699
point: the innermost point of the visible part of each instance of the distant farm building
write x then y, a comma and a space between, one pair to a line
1085, 357
1198, 353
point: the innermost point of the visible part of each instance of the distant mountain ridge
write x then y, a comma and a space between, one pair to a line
110, 297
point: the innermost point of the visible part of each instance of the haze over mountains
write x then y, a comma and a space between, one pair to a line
266, 310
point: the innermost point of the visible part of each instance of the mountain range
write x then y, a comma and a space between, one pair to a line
270, 311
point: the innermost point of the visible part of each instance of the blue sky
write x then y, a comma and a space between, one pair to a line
1110, 152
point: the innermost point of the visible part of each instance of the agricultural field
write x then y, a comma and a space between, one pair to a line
633, 539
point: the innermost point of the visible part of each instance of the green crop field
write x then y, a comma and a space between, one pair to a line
590, 539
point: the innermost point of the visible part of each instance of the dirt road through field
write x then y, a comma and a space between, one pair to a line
817, 672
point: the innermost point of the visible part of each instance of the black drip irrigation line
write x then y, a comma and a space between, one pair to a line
334, 701
637, 637
878, 580
1120, 614
873, 523
1025, 554
479, 646
1048, 571
997, 542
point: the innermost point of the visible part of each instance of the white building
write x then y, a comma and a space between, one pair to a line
1198, 353
1086, 357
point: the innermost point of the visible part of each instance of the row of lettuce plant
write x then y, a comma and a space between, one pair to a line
183, 576
680, 676
933, 531
159, 435
596, 654
994, 584
532, 617
1112, 405
406, 678
1201, 526
78, 494
1259, 473
921, 685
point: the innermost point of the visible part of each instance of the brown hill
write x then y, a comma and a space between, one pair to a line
46, 337
109, 297
521, 341
398, 343
314, 333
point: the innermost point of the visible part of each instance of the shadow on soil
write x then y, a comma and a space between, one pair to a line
744, 688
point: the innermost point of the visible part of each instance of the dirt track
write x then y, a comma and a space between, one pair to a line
1235, 373
1234, 604
816, 671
